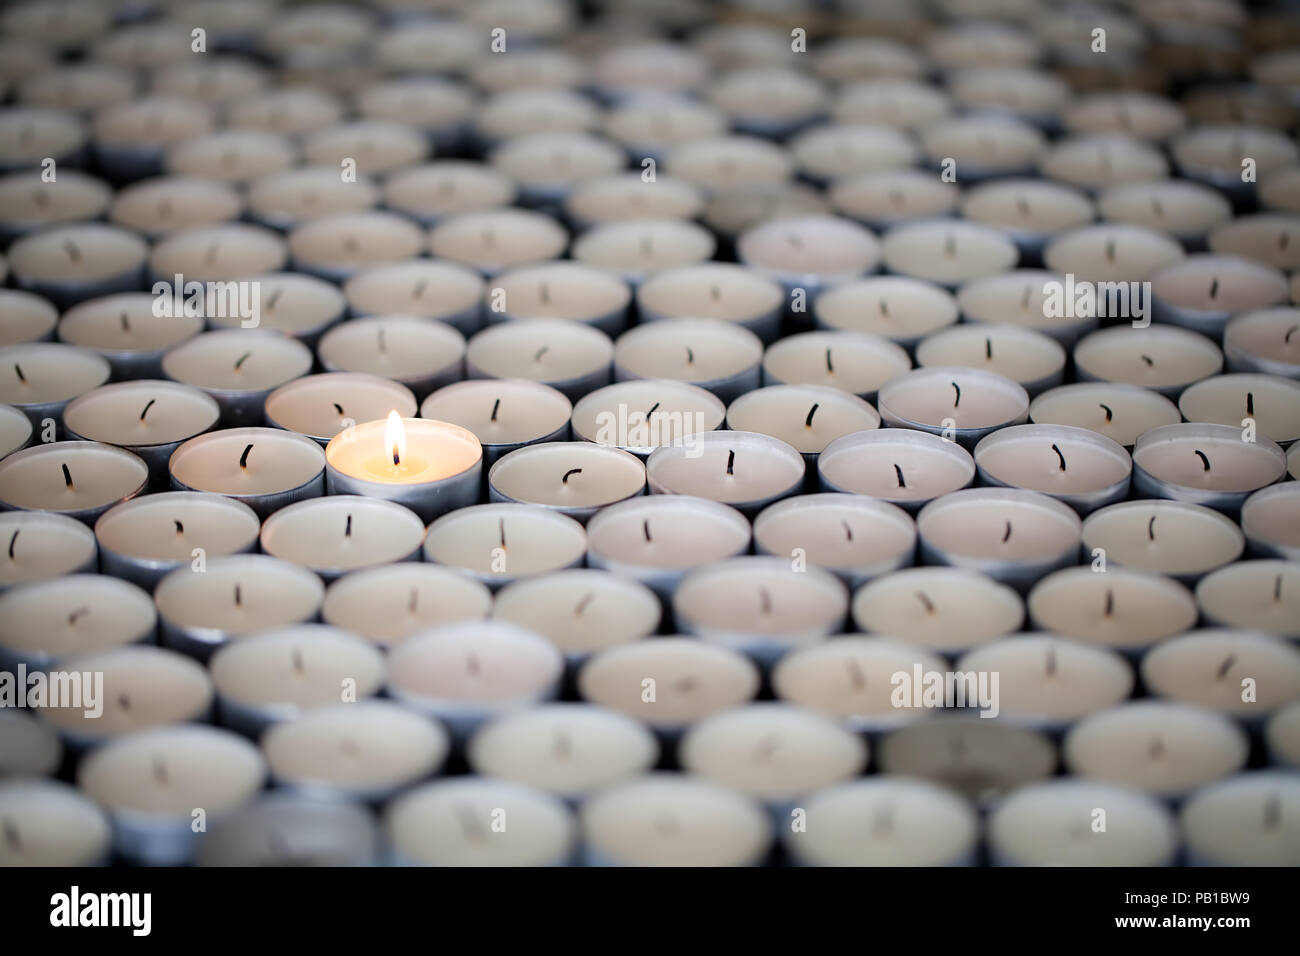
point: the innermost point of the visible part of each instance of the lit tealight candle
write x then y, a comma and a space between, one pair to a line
1213, 668
48, 622
390, 603
947, 252
571, 357
947, 609
1113, 410
286, 199
561, 290
1202, 291
1271, 402
1023, 355
80, 479
49, 823
37, 545
899, 308
574, 478
1266, 341
419, 353
1262, 595
70, 263
41, 378
239, 368
1163, 358
1080, 467
498, 543
1204, 464
1121, 608
902, 466
1176, 538
961, 404
713, 290
495, 239
266, 468
747, 470
504, 414
1246, 820
321, 406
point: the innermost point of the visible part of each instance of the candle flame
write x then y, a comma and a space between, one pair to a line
395, 437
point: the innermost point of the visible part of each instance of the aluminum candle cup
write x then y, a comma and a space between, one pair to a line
15, 430
125, 331
904, 467
321, 406
1203, 291
144, 539
1266, 341
1163, 358
1181, 540
571, 357
574, 478
80, 479
431, 467
959, 404
1074, 465
1271, 520
1012, 535
149, 418
40, 378
856, 537
745, 470
1111, 409
239, 368
265, 468
422, 354
36, 545
46, 623
1269, 403
1204, 464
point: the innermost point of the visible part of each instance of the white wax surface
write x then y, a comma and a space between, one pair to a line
541, 350
927, 396
1235, 466
540, 66
345, 242
895, 307
35, 545
744, 598
1272, 515
434, 104
342, 532
100, 475
28, 746
1214, 151
732, 211
1159, 356
981, 759
1021, 90
1017, 298
1055, 459
561, 290
947, 251
278, 461
291, 303
854, 362
580, 610
1267, 336
638, 247
1209, 668
621, 414
210, 79
72, 615
1093, 162
164, 773
1283, 735
484, 662
1218, 283
733, 467
30, 202
566, 749
713, 290
943, 608
545, 474
447, 187
1262, 595
237, 360
774, 752
449, 823
1169, 537
1022, 355
655, 122
125, 323
1162, 748
825, 248
999, 524
1273, 402
987, 144
295, 195
1120, 608
168, 526
893, 195
400, 347
851, 677
387, 604
1178, 207
29, 134
729, 161
835, 150
1111, 252
536, 540
34, 373
625, 196
219, 252
1043, 677
1262, 237
692, 679
323, 405
500, 411
1132, 112
231, 155
239, 594
556, 160
288, 110
494, 239
1114, 410
836, 531
153, 121
763, 95
431, 288
290, 670
667, 532
908, 103
870, 464
675, 820
1246, 820
690, 350
27, 317
55, 824
377, 146
1027, 206
15, 430
141, 413
859, 58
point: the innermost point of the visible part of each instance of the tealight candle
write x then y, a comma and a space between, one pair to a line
570, 750
982, 43
236, 156
1093, 162
571, 357
390, 603
1269, 520
848, 59
291, 110
581, 610
124, 330
538, 67
51, 824
286, 829
747, 470
713, 354
1264, 341
1279, 189
1125, 112
1023, 355
1202, 291
1051, 681
961, 404
321, 406
503, 414
217, 253
1260, 595
902, 466
444, 188
830, 152
778, 411
913, 823
1211, 668
70, 263
1029, 211
1161, 748
652, 125
1074, 465
983, 147
1115, 411
411, 46
154, 41
1163, 358
340, 533
280, 674
265, 468
713, 290
40, 378
286, 199
854, 362
465, 674
29, 134
901, 309
657, 539
1011, 534
1176, 538
692, 679
48, 622
851, 680
643, 414
1283, 736
80, 479
729, 162
947, 609
1019, 298
562, 290
376, 146
419, 353
773, 752
1213, 154
574, 478
1050, 824
674, 820
1204, 464
37, 545
434, 289
1263, 237
1123, 608
731, 212
1112, 252
441, 108
1185, 210
906, 103
624, 196
234, 596
947, 252
1271, 402
31, 204
547, 166
448, 823
15, 430
239, 368
28, 318
367, 751
770, 101
1246, 820
637, 248
214, 80
809, 252
495, 239
30, 748
499, 543
883, 199
760, 605
339, 245
300, 306
142, 687
516, 113
1024, 92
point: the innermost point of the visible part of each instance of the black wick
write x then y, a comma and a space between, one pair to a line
1110, 602
240, 361
146, 408
1204, 460
571, 471
690, 356
1151, 528
811, 412
925, 600
731, 461
831, 368
765, 600
12, 541
645, 529
180, 528
1106, 409
243, 459
956, 388
18, 369
347, 528
1057, 449
1250, 403
899, 472
1007, 535
67, 476
338, 408
495, 407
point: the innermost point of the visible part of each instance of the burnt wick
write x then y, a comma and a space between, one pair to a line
957, 389
12, 541
347, 528
1109, 413
811, 412
645, 530
180, 528
571, 471
582, 605
338, 408
243, 459
898, 472
496, 407
731, 461
925, 602
67, 476
1056, 448
1006, 536
1204, 460
764, 601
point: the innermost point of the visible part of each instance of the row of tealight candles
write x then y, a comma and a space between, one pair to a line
491, 548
